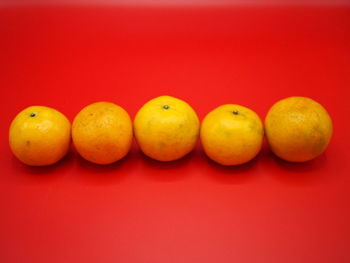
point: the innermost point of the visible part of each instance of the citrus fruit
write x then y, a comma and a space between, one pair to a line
166, 128
298, 129
102, 132
231, 134
39, 136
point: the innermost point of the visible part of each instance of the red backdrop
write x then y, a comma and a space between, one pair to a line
191, 210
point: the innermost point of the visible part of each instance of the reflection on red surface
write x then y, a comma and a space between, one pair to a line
191, 210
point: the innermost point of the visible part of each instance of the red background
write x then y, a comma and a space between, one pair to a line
191, 210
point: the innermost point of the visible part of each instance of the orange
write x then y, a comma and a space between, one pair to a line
298, 129
102, 132
39, 136
166, 128
231, 134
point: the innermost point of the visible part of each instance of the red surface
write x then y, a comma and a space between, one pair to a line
191, 210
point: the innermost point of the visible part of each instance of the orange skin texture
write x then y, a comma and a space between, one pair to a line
102, 132
166, 134
298, 129
39, 136
231, 134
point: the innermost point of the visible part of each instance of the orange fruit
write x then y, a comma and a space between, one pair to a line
231, 134
298, 129
166, 128
102, 132
39, 136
